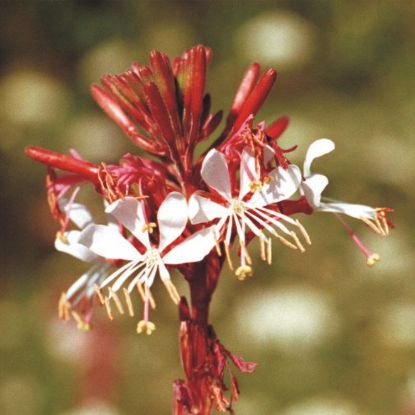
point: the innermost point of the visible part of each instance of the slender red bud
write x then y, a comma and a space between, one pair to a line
256, 98
63, 162
277, 127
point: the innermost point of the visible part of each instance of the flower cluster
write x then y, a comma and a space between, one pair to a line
179, 211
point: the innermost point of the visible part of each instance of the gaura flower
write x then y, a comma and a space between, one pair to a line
78, 300
313, 186
249, 209
145, 262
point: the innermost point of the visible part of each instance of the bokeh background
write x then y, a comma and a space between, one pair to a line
332, 337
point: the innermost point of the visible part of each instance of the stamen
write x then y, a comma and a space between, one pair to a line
255, 186
304, 232
172, 290
286, 242
243, 271
262, 249
99, 294
297, 241
269, 251
61, 236
149, 227
143, 296
108, 308
228, 256
376, 229
217, 245
145, 327
63, 308
128, 302
114, 295
80, 323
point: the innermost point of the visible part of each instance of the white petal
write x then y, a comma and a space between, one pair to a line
269, 153
215, 173
284, 183
192, 249
74, 248
350, 209
108, 243
312, 188
201, 209
163, 271
248, 172
129, 212
172, 218
317, 149
77, 212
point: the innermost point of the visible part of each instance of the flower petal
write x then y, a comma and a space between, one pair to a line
350, 209
317, 149
248, 172
77, 212
192, 249
312, 188
215, 173
108, 243
172, 218
129, 212
201, 209
72, 247
284, 183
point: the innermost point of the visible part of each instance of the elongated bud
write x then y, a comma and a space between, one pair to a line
63, 162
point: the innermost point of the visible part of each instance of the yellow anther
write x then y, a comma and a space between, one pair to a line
243, 271
63, 308
128, 302
255, 186
372, 260
172, 290
267, 179
146, 327
62, 237
149, 227
80, 323
99, 294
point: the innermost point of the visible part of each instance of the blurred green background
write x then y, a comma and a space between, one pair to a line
331, 336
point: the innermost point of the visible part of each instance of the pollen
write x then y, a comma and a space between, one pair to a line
372, 260
149, 227
243, 271
62, 238
146, 327
81, 324
255, 186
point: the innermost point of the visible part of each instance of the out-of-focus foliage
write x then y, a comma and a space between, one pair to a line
331, 336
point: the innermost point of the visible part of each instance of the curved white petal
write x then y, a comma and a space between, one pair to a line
215, 173
77, 212
201, 209
284, 183
312, 188
350, 209
74, 248
108, 243
317, 149
248, 172
192, 249
172, 218
129, 212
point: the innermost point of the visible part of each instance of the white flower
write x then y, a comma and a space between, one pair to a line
82, 290
141, 268
236, 213
315, 183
